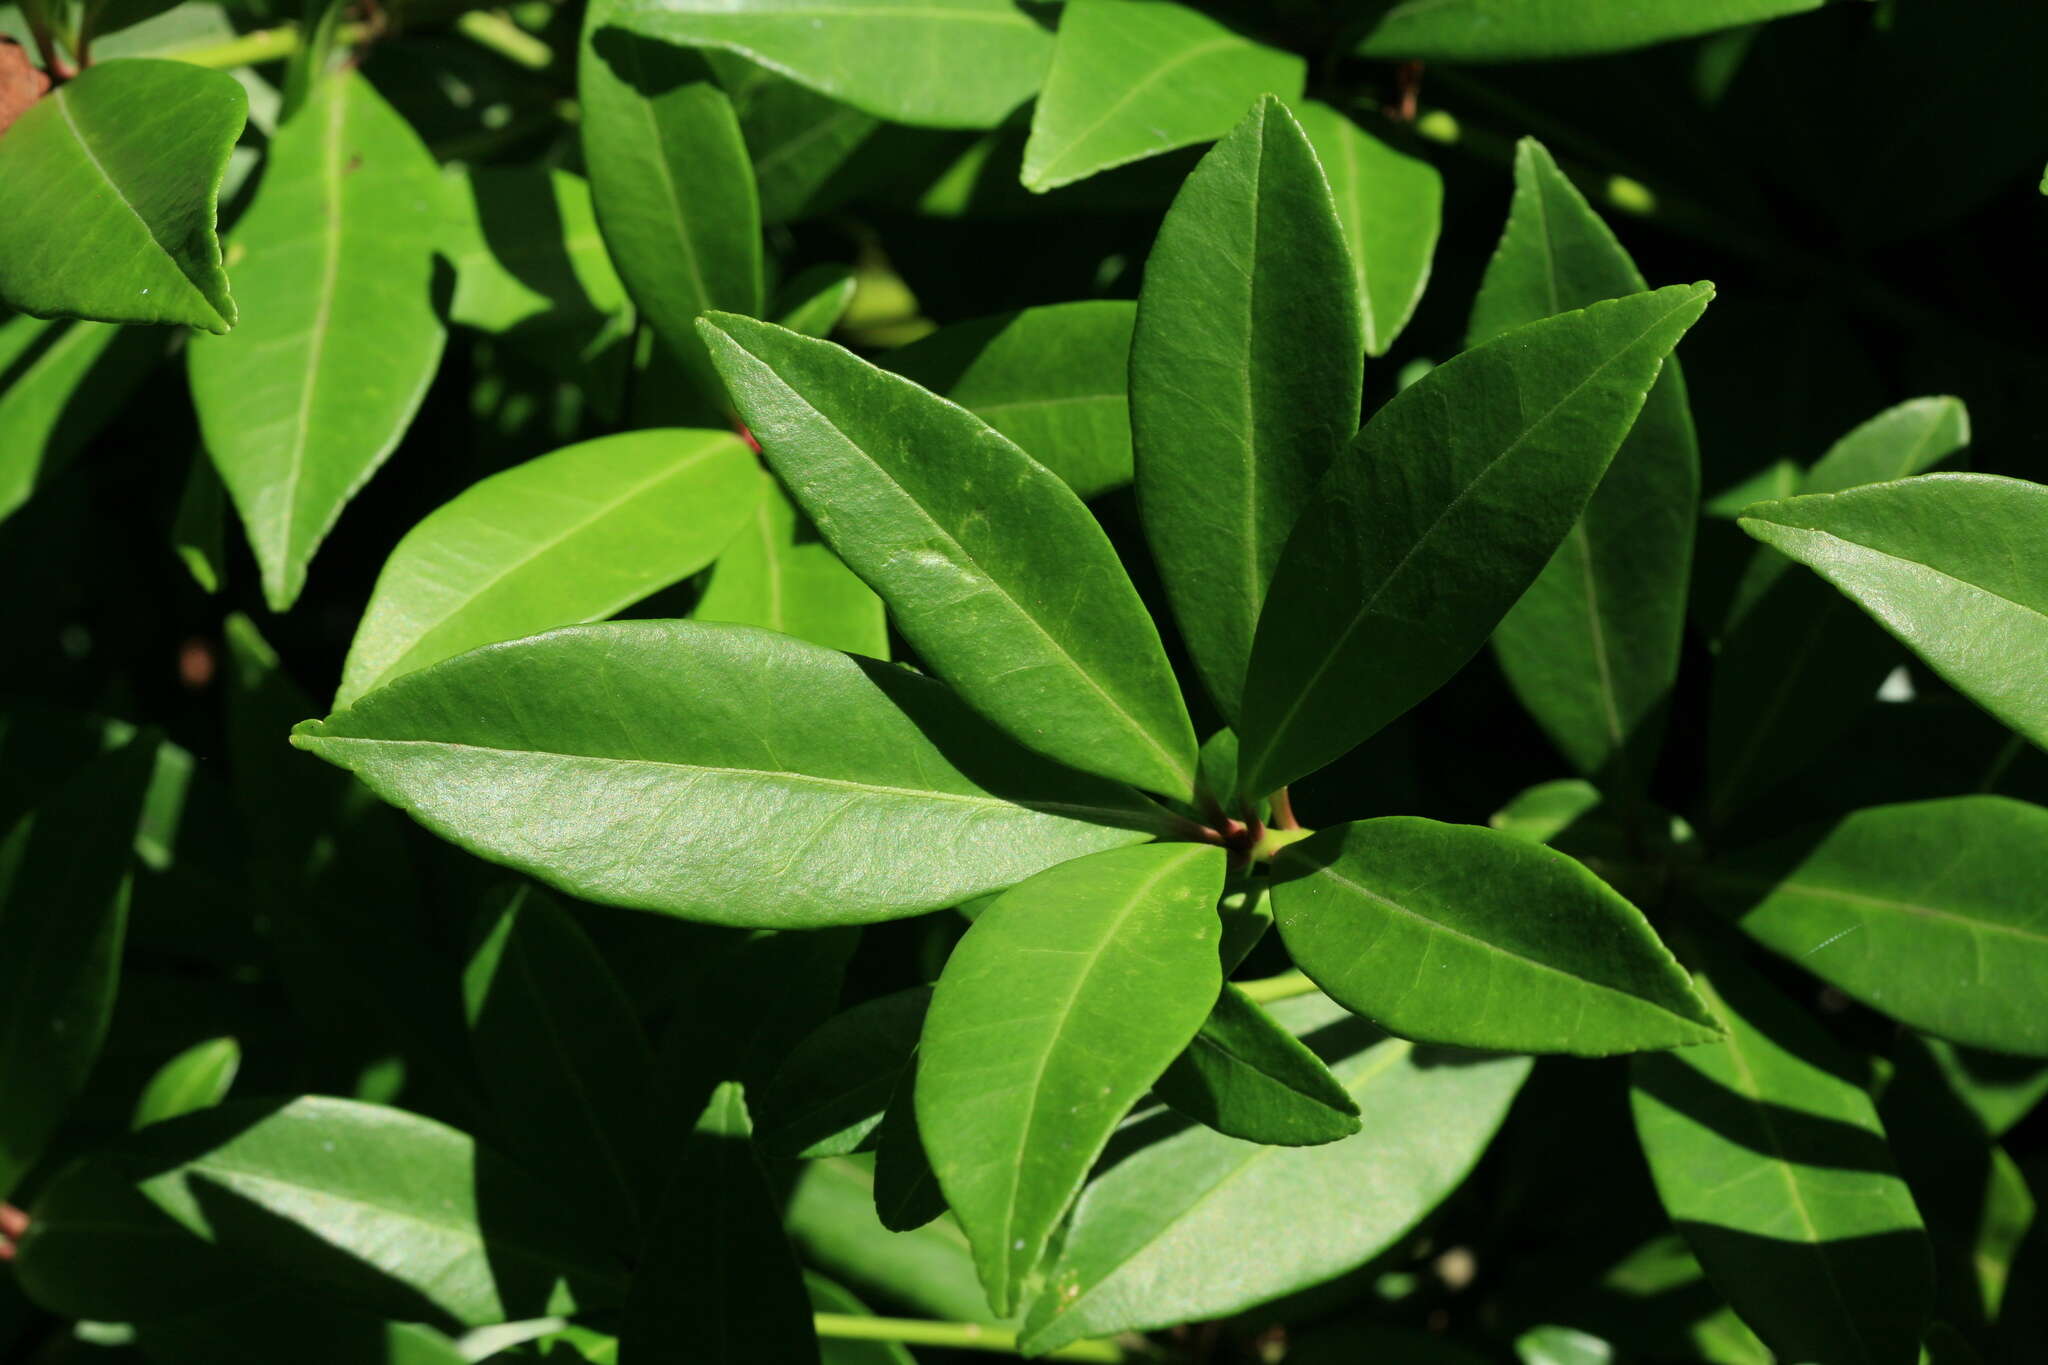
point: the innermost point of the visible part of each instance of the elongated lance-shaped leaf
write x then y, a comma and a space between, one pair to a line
1927, 911
1052, 379
1057, 1011
361, 1202
1955, 566
112, 184
1465, 935
197, 1078
1772, 1162
1436, 519
563, 1057
64, 887
555, 541
673, 189
1134, 78
718, 1282
828, 1098
1162, 1236
1795, 665
1390, 205
659, 765
1591, 649
1246, 1076
1540, 30
777, 574
304, 400
1246, 365
991, 567
935, 63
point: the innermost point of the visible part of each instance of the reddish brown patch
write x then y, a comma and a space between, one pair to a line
355, 163
746, 433
21, 84
196, 663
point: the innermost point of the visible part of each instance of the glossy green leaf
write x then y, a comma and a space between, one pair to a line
1955, 566
1547, 809
60, 383
1997, 1090
1775, 1168
1246, 364
1591, 649
1162, 1237
658, 765
115, 177
718, 1282
1927, 911
674, 193
197, 1078
1793, 660
365, 1203
1436, 519
1134, 78
831, 1217
1052, 379
828, 1098
1391, 207
936, 63
1464, 935
1246, 1076
64, 888
562, 1056
907, 1193
991, 567
1538, 30
567, 538
776, 573
335, 265
1059, 1009
809, 151
815, 300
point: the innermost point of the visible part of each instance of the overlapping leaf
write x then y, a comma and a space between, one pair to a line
303, 401
658, 764
1391, 208
777, 574
1535, 30
1246, 1076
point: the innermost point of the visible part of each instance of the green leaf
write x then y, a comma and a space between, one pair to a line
1546, 810
1134, 78
1463, 935
1926, 911
1052, 379
907, 1194
1059, 1009
1162, 1237
1390, 205
777, 574
672, 185
60, 383
1591, 649
828, 1098
1795, 665
1246, 1076
1955, 566
933, 63
116, 173
1775, 1168
304, 401
562, 1057
527, 254
1435, 520
659, 765
1539, 30
64, 885
1997, 1090
815, 300
809, 152
199, 529
197, 1078
718, 1282
362, 1202
567, 538
831, 1217
992, 568
1246, 364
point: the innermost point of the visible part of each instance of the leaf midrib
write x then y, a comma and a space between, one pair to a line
63, 103
1825, 892
1075, 144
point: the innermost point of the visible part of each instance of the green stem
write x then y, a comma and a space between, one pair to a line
490, 29
256, 47
1266, 989
959, 1336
